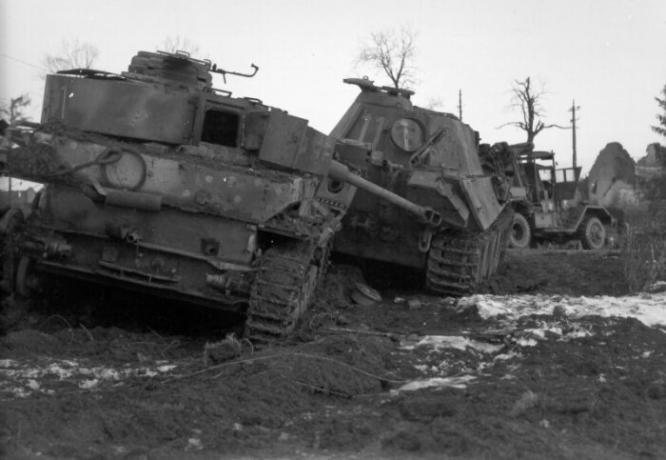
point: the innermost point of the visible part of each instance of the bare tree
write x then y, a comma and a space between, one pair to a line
391, 52
14, 111
178, 43
73, 55
528, 100
661, 127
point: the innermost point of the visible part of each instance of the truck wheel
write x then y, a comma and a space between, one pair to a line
521, 235
593, 233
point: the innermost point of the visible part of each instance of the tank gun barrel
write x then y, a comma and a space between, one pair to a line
429, 216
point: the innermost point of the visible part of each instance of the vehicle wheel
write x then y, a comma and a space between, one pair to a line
521, 234
593, 233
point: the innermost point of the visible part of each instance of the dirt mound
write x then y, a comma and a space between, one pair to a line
602, 396
28, 342
560, 272
412, 375
235, 404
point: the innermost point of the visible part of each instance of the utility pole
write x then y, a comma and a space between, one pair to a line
573, 109
460, 104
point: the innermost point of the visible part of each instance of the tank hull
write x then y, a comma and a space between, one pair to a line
430, 159
157, 182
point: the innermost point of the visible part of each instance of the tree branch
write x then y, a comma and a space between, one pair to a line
391, 53
528, 100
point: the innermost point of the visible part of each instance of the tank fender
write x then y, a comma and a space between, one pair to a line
598, 211
481, 195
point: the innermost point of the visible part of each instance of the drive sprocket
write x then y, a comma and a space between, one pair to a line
458, 262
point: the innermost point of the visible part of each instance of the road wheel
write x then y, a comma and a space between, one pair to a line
520, 232
593, 233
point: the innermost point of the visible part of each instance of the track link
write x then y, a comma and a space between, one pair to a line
458, 262
11, 224
282, 291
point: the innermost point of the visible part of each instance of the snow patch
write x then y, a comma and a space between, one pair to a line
458, 382
21, 379
508, 356
526, 342
88, 384
650, 309
441, 342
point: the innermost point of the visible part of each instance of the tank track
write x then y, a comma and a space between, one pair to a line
10, 227
281, 292
458, 262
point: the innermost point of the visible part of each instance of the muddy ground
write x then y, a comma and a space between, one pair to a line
413, 376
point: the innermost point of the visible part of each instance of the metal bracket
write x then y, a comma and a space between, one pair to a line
224, 72
425, 239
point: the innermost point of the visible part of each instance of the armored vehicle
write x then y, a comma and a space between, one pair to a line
156, 181
459, 228
547, 205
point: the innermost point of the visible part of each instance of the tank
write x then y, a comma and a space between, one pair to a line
155, 181
457, 227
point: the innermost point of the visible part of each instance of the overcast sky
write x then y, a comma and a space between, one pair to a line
610, 56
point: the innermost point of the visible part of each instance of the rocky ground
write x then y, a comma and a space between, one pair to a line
556, 360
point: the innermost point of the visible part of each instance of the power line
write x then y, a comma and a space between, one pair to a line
23, 62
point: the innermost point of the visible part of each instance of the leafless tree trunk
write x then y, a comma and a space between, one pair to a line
73, 55
528, 100
391, 52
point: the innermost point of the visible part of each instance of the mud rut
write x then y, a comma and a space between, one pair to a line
413, 376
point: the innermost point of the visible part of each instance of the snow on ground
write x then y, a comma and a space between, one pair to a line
439, 342
650, 309
459, 382
21, 379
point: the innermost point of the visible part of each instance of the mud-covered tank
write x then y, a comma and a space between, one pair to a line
431, 159
158, 182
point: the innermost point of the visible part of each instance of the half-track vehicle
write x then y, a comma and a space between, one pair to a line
158, 182
456, 224
548, 207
